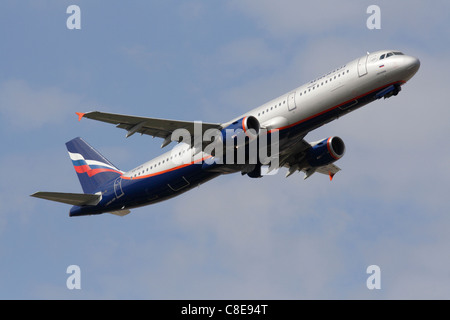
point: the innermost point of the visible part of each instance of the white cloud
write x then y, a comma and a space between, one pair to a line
26, 107
265, 237
191, 10
289, 17
246, 54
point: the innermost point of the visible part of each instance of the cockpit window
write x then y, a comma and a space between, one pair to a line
390, 54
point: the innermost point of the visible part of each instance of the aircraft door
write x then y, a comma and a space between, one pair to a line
362, 65
118, 188
291, 101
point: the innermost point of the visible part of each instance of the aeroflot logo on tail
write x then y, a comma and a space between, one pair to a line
91, 167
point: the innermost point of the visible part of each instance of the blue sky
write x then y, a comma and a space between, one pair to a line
234, 237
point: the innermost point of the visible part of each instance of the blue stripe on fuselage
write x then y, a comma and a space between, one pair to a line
144, 191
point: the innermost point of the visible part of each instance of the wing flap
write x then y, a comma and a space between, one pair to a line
76, 199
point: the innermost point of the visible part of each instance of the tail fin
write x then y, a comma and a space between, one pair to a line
92, 168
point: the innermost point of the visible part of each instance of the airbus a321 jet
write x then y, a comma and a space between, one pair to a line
209, 150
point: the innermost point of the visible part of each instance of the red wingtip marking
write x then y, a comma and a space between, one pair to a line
331, 175
80, 115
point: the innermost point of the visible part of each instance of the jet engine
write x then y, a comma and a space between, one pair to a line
325, 151
246, 127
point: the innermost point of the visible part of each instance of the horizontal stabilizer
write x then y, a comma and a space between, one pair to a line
76, 199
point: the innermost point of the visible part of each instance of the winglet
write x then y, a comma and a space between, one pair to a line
80, 115
331, 175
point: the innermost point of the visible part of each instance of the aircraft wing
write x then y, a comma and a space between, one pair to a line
293, 157
161, 128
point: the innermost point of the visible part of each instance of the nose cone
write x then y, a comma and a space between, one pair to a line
412, 65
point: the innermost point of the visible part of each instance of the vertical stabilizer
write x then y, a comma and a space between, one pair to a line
92, 168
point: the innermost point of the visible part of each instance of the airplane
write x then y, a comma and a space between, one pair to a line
285, 120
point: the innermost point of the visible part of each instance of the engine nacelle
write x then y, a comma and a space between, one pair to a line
237, 132
325, 151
